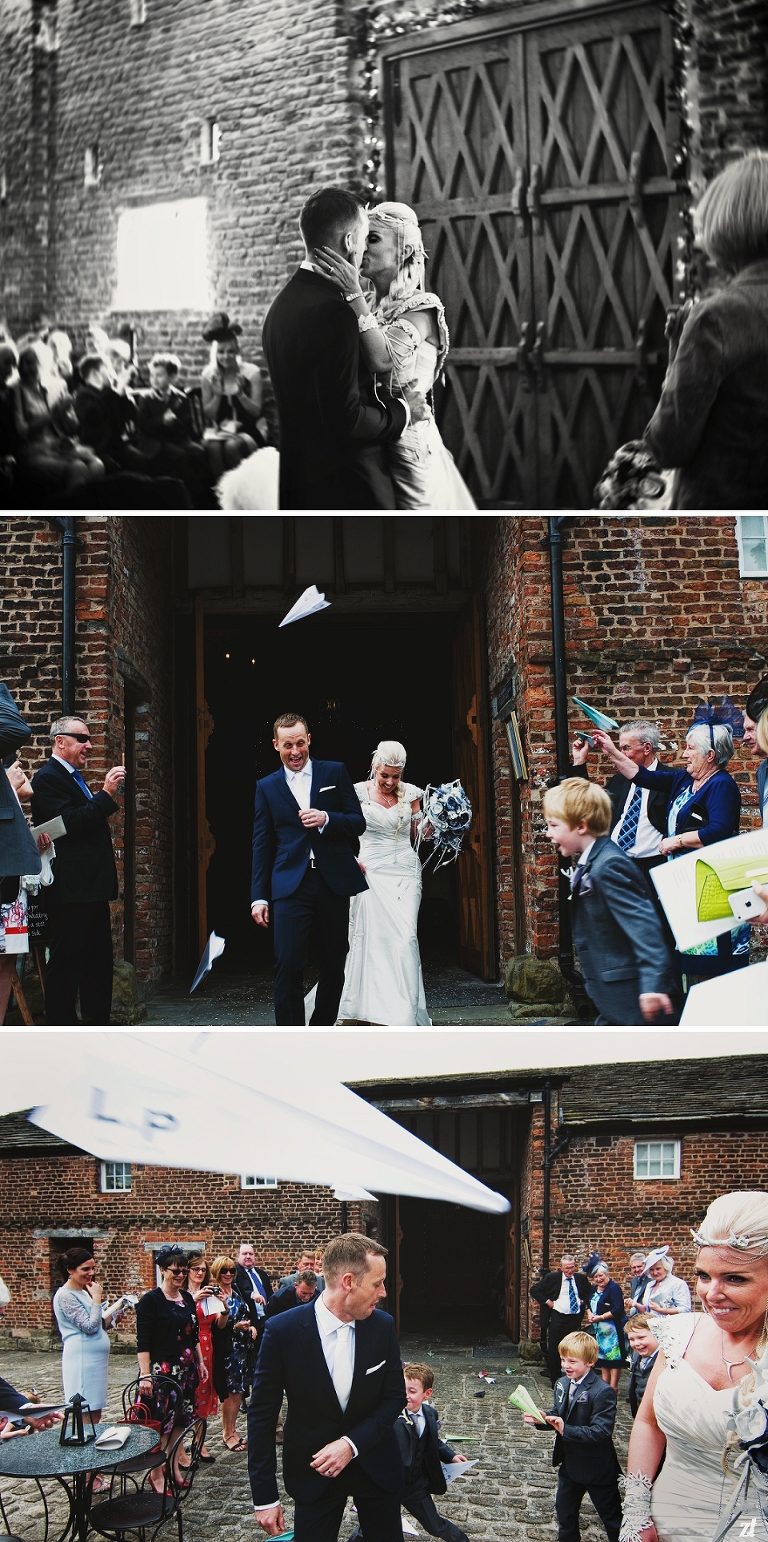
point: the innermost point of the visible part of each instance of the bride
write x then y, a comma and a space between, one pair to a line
383, 983
706, 1395
404, 336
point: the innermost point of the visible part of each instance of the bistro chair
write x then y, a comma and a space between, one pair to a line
144, 1511
148, 1459
9, 1536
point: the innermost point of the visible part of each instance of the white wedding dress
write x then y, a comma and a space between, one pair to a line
383, 982
693, 1492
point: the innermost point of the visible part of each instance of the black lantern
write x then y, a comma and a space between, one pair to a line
73, 1430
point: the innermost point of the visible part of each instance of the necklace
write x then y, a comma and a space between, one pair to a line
729, 1364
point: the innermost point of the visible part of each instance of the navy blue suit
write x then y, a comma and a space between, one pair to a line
286, 1300
586, 1456
302, 892
291, 1359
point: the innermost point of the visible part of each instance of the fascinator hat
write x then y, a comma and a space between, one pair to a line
169, 1255
655, 1257
220, 329
410, 255
724, 715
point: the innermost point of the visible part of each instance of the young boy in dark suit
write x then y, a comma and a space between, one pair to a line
624, 958
583, 1418
644, 1347
423, 1454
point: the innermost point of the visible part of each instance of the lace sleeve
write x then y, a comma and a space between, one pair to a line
86, 1318
403, 340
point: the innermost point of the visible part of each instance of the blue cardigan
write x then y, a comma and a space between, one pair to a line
715, 811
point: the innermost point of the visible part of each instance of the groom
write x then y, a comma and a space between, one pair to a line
333, 419
306, 815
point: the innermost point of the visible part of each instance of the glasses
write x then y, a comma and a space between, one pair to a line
81, 738
175, 1269
226, 1271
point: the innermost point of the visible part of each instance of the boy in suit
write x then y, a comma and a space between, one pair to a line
424, 1455
644, 1347
306, 817
583, 1418
625, 960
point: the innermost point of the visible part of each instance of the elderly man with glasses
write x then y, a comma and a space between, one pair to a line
85, 878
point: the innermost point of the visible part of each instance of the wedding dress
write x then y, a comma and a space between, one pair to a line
383, 982
693, 1493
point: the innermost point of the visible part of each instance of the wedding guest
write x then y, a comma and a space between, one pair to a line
303, 1289
710, 421
639, 1280
168, 1344
78, 1309
230, 1350
165, 427
665, 1295
232, 393
644, 1347
46, 428
18, 853
208, 1308
606, 1315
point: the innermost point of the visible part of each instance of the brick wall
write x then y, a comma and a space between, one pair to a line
657, 619
43, 1193
122, 602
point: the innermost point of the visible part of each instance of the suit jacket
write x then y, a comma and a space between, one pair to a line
243, 1284
762, 779
290, 1279
291, 1358
281, 845
18, 852
548, 1289
621, 946
84, 869
333, 422
11, 1400
638, 1379
153, 431
285, 1300
617, 789
585, 1447
432, 1478
105, 418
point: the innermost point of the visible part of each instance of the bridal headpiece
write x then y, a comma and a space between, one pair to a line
743, 1242
738, 1221
402, 220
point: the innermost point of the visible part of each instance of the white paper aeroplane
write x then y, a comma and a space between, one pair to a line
306, 605
213, 949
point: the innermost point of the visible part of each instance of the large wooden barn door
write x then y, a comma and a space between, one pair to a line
477, 949
540, 158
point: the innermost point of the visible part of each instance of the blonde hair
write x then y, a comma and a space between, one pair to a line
731, 219
389, 752
578, 801
581, 1345
410, 255
222, 1262
740, 1222
761, 732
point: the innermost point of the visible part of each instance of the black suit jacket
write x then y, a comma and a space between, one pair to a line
11, 1400
432, 1479
617, 789
285, 1300
638, 1379
281, 845
243, 1284
585, 1447
84, 869
548, 1289
333, 424
291, 1358
622, 949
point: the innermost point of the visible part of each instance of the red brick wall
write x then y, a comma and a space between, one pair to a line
657, 619
163, 1205
123, 599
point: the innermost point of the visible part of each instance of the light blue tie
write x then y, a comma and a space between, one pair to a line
574, 1298
628, 831
77, 778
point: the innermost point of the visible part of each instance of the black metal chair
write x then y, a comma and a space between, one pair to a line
146, 1511
148, 1459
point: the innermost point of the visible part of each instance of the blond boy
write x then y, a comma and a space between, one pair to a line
583, 1418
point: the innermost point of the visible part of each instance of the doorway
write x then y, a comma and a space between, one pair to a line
452, 1265
356, 680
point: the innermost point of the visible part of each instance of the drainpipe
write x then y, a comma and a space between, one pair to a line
565, 956
344, 1218
68, 682
550, 1152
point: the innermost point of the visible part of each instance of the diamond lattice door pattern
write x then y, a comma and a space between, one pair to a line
541, 164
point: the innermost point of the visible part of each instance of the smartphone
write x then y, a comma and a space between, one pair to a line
746, 904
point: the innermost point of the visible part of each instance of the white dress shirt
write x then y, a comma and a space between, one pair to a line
647, 838
418, 1419
563, 1302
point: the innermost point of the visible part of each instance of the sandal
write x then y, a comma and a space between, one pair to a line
240, 1444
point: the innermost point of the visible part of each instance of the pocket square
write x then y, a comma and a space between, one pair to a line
583, 1397
330, 788
373, 1368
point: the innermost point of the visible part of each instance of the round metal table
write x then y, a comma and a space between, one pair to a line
74, 1467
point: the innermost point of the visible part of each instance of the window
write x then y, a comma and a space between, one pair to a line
162, 257
251, 1181
46, 35
138, 12
91, 166
752, 536
657, 1159
115, 1177
210, 137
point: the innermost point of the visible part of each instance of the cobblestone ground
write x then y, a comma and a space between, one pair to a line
510, 1494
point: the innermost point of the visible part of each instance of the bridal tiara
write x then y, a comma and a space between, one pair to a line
742, 1242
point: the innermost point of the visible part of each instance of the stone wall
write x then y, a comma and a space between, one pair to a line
124, 619
39, 1195
657, 620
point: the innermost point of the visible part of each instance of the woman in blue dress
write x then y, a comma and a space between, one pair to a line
79, 1313
703, 806
607, 1317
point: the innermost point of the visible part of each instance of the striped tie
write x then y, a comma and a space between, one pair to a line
628, 831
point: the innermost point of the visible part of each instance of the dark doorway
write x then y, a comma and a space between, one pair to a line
356, 680
452, 1268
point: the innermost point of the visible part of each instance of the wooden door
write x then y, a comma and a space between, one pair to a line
206, 844
457, 150
604, 222
477, 943
540, 156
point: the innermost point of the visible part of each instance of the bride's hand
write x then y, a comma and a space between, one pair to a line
343, 274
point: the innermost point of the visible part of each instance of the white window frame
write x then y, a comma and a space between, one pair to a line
662, 1177
210, 142
138, 12
252, 1181
162, 257
744, 570
123, 1188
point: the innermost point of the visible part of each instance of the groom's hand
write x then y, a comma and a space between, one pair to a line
260, 913
313, 818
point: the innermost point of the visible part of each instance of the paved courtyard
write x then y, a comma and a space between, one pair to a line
510, 1494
